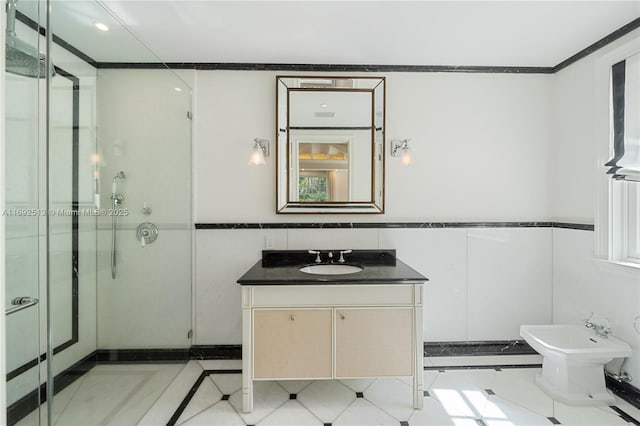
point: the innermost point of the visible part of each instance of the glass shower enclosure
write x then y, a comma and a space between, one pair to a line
97, 217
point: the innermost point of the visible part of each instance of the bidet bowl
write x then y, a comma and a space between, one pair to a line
331, 269
573, 342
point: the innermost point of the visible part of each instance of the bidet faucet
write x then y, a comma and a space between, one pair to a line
601, 330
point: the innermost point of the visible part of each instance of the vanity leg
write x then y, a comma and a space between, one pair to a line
247, 360
418, 376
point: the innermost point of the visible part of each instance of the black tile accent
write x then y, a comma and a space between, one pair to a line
404, 423
225, 397
481, 367
392, 225
326, 424
554, 421
210, 372
625, 29
235, 66
626, 391
59, 41
494, 347
293, 396
187, 399
25, 405
626, 417
216, 352
141, 355
426, 393
489, 392
359, 395
576, 226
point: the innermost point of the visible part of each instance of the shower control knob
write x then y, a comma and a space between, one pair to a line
146, 233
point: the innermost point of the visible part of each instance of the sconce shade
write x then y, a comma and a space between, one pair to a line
259, 152
400, 148
405, 157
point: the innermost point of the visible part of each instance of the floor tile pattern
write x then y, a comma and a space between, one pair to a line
474, 397
209, 393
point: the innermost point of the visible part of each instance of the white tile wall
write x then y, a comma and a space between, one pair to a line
483, 283
583, 285
509, 278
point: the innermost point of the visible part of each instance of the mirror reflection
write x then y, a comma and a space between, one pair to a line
330, 144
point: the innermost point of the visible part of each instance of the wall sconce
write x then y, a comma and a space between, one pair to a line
259, 152
400, 148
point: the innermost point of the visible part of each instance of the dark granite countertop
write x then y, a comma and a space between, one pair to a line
282, 268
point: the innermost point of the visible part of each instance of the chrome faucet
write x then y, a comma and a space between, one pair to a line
342, 253
317, 253
602, 330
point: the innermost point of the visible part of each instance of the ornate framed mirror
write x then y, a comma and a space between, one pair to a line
330, 144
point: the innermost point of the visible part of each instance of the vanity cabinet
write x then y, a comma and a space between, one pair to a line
335, 331
292, 343
373, 342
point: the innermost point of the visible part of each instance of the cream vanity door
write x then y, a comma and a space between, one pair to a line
374, 342
292, 343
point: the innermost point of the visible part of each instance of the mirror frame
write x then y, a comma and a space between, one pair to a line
283, 148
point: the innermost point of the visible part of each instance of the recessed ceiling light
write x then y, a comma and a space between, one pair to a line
324, 105
177, 89
101, 26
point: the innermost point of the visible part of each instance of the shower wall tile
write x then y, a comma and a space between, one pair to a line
509, 278
147, 305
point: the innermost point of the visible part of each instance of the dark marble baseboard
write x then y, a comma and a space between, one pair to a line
624, 390
203, 352
392, 225
484, 348
106, 356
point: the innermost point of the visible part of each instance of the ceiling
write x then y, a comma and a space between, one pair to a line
468, 33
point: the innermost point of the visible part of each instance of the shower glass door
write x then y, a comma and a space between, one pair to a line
24, 222
119, 172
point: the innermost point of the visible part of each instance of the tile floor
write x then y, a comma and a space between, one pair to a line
109, 394
208, 393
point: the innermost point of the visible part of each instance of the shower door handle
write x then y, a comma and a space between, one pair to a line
20, 304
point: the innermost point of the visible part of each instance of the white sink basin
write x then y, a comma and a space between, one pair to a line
330, 269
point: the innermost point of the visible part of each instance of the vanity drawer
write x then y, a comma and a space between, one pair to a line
335, 295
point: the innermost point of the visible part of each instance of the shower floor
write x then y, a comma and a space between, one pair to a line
109, 394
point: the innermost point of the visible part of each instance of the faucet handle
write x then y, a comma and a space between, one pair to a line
317, 253
342, 253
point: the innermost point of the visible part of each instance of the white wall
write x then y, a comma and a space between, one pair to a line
481, 148
481, 145
582, 284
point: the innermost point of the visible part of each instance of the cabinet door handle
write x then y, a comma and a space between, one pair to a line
292, 317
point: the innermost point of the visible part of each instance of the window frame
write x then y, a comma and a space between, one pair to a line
613, 210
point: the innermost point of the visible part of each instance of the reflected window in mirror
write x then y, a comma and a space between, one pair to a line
330, 144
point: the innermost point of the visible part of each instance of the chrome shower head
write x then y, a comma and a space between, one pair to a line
22, 58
